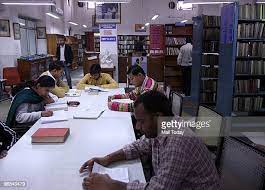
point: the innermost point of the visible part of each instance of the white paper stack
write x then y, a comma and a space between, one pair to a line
119, 174
95, 88
73, 93
88, 114
56, 107
56, 117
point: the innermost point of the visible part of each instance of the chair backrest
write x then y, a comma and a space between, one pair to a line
11, 75
210, 135
177, 100
241, 166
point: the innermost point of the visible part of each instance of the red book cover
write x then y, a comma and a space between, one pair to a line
50, 135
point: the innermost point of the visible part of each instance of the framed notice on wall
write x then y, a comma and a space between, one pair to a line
108, 13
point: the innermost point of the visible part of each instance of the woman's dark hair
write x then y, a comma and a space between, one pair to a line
154, 102
55, 66
43, 81
135, 70
95, 69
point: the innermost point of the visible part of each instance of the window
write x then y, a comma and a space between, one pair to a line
28, 37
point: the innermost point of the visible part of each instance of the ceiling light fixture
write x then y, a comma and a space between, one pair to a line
105, 1
28, 3
155, 17
209, 2
52, 15
21, 24
73, 23
147, 24
184, 21
85, 26
261, 2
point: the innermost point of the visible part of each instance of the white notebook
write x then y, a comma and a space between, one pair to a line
56, 107
88, 114
73, 93
57, 116
119, 174
96, 88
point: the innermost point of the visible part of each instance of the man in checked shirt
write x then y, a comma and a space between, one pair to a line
179, 162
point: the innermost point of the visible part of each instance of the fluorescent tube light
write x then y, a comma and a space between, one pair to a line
52, 15
104, 1
209, 2
184, 21
147, 24
73, 23
28, 3
155, 17
85, 26
261, 2
21, 24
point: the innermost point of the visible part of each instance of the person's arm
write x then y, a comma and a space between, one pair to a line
61, 89
122, 107
111, 83
22, 115
83, 82
54, 97
8, 137
63, 85
180, 57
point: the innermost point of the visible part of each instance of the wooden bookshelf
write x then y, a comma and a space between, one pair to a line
52, 43
80, 49
175, 37
127, 43
242, 83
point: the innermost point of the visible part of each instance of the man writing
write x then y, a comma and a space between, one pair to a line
64, 54
56, 71
179, 162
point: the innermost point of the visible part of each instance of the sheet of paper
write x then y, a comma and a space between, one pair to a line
88, 114
57, 116
120, 174
96, 88
128, 101
73, 93
256, 137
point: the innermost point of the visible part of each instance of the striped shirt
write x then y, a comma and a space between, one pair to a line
148, 84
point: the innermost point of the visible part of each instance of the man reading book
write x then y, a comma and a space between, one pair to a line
56, 71
97, 78
142, 84
179, 161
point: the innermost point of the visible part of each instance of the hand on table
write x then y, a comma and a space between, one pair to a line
46, 113
3, 154
88, 165
98, 182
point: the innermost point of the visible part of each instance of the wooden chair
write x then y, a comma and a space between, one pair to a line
177, 100
12, 77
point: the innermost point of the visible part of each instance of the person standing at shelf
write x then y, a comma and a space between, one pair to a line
64, 54
185, 61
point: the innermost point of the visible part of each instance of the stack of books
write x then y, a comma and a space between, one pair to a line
252, 11
252, 67
251, 30
247, 86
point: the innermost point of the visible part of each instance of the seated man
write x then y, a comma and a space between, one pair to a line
142, 83
96, 78
7, 139
56, 71
28, 104
179, 161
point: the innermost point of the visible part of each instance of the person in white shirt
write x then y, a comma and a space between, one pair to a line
64, 54
185, 61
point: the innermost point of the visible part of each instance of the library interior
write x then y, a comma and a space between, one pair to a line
132, 94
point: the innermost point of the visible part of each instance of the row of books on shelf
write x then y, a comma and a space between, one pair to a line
133, 37
211, 72
248, 86
211, 47
172, 51
252, 67
169, 29
208, 97
175, 41
210, 85
212, 34
252, 11
251, 30
247, 104
251, 49
210, 60
126, 42
157, 52
211, 21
